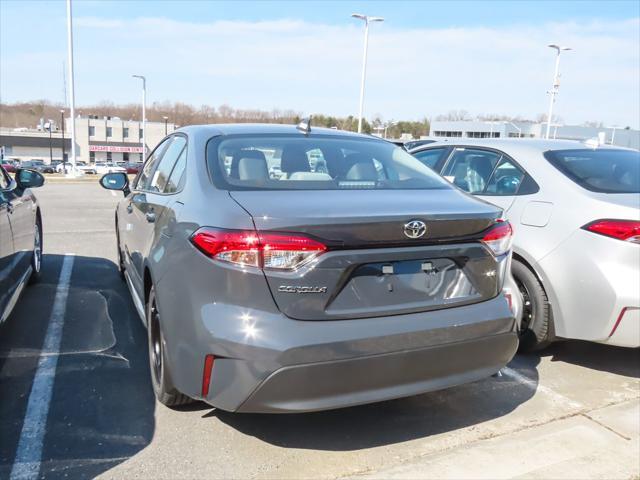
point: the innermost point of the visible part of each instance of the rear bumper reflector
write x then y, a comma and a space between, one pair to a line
206, 374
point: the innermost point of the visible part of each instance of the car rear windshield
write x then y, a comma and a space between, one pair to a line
605, 170
299, 162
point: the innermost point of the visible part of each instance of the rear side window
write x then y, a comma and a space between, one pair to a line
315, 162
170, 156
176, 180
601, 170
430, 157
471, 169
505, 180
146, 175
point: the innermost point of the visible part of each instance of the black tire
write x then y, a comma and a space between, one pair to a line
163, 388
36, 259
121, 266
536, 328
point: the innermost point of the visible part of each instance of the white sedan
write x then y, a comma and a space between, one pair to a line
106, 167
575, 210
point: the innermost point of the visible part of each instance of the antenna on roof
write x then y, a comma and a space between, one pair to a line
305, 125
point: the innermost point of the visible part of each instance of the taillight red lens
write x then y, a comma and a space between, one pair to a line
627, 230
498, 237
266, 250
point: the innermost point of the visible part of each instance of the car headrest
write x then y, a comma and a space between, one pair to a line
294, 159
238, 155
359, 166
253, 168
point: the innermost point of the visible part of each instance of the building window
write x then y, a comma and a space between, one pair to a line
441, 133
125, 133
109, 156
109, 131
92, 131
125, 157
483, 134
140, 132
92, 157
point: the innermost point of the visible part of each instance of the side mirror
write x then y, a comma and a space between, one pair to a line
116, 181
29, 178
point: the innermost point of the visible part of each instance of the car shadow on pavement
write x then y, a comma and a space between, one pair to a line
102, 406
387, 422
606, 358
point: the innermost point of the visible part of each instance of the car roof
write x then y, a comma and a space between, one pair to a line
515, 146
264, 128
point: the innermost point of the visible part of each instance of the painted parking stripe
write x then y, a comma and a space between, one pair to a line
26, 464
533, 385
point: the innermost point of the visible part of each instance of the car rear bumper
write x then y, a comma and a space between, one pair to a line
266, 362
593, 279
360, 380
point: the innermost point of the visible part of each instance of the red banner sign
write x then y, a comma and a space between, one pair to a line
114, 148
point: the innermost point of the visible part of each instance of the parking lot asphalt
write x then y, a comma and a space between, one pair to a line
570, 411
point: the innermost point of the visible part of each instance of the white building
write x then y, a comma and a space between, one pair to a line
97, 139
503, 129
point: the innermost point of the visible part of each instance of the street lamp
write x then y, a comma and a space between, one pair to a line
64, 162
366, 20
144, 114
556, 84
165, 125
390, 123
48, 127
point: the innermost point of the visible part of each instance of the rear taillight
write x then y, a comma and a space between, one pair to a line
498, 237
280, 251
627, 230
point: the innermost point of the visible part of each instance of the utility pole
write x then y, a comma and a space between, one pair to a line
556, 85
72, 98
366, 20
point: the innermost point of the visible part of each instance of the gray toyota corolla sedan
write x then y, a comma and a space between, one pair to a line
286, 269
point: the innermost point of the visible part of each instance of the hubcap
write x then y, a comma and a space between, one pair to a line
37, 251
155, 349
527, 308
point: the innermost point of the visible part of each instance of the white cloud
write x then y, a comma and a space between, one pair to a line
411, 73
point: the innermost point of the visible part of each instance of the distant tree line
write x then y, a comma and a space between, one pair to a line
28, 114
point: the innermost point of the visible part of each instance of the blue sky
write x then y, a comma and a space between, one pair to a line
427, 58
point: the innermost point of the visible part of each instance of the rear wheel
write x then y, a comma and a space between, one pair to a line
536, 327
163, 388
36, 259
121, 266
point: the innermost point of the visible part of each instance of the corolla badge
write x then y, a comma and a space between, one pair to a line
415, 229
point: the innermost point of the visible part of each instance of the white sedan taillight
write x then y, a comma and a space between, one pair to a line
498, 237
281, 251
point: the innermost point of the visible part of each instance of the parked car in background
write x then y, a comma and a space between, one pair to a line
108, 167
313, 290
20, 235
575, 210
9, 165
133, 168
37, 165
81, 167
411, 144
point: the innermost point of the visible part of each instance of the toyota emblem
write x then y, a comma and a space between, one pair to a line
415, 229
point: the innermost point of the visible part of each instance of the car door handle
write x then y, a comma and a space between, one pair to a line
129, 208
150, 216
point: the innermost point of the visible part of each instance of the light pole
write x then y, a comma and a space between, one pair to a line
72, 98
64, 161
165, 125
48, 127
366, 20
144, 114
556, 84
390, 123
